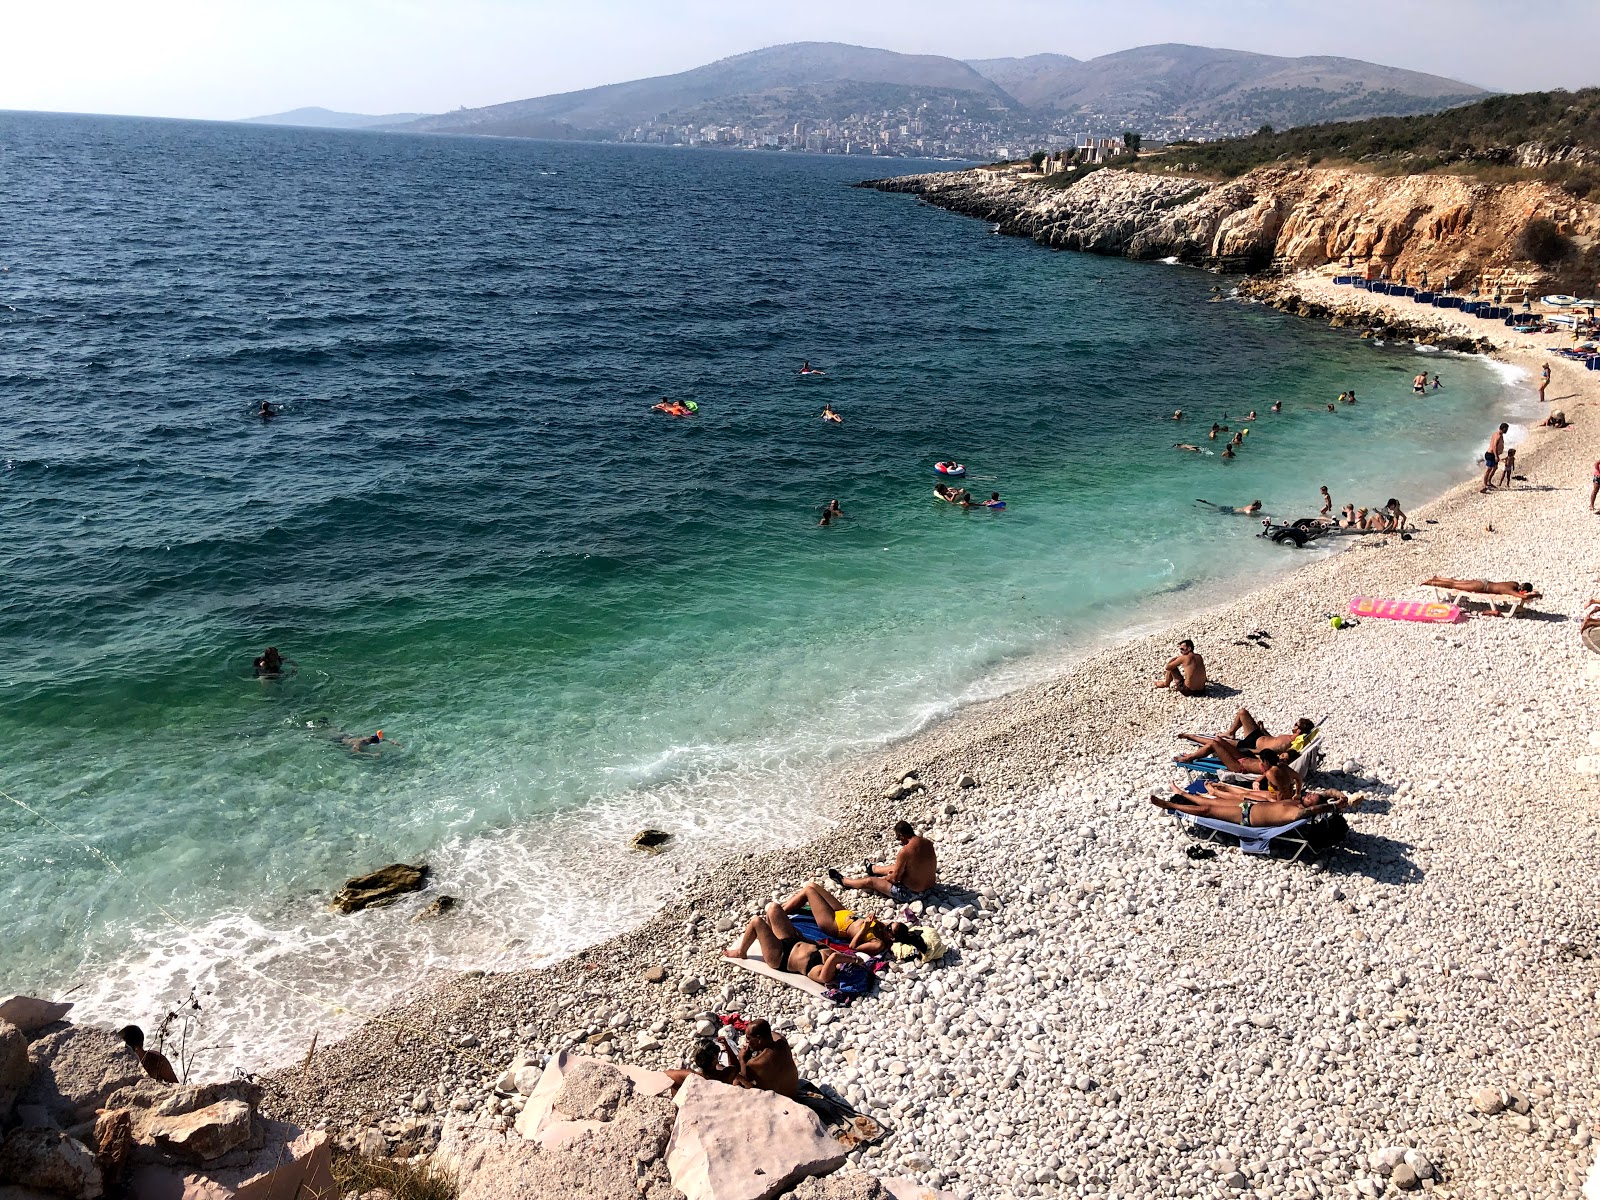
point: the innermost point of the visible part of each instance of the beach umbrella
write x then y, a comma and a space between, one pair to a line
1559, 301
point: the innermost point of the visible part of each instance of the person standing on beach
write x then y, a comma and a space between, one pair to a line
1509, 465
1594, 489
1327, 501
1491, 456
1544, 380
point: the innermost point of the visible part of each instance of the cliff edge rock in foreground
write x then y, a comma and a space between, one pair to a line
1285, 218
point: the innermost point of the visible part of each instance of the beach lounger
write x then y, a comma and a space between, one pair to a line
1513, 604
1308, 835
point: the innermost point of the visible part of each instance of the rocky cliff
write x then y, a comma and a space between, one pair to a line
1285, 218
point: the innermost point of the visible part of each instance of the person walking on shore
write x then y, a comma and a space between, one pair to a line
1491, 456
1544, 380
1327, 501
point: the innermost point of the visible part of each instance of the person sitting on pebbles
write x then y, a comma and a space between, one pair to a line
914, 870
783, 949
1238, 808
766, 1063
1186, 673
866, 935
705, 1060
1237, 746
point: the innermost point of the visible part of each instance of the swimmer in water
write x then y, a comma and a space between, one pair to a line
829, 415
1186, 446
271, 664
1251, 415
833, 507
1330, 408
1178, 416
1249, 510
1278, 406
266, 412
1215, 429
356, 744
827, 517
994, 501
1227, 451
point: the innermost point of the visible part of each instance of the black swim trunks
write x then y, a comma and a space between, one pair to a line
1489, 459
1248, 741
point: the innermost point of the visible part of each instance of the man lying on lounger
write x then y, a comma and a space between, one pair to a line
1485, 587
1237, 746
914, 870
1238, 808
783, 949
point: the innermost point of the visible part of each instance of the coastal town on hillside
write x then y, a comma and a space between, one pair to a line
929, 130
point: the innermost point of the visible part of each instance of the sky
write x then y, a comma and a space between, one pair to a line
223, 59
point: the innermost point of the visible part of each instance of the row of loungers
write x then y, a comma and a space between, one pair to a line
1310, 835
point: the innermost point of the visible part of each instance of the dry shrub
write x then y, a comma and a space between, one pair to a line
402, 1179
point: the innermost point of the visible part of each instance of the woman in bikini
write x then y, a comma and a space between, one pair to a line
838, 923
1239, 746
783, 949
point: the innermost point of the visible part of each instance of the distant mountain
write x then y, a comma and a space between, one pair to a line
1231, 87
855, 100
823, 78
324, 118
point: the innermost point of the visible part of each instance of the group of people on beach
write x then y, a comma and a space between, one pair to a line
815, 935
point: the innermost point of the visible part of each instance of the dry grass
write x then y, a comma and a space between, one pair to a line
401, 1179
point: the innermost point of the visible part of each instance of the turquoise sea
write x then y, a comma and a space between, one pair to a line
572, 616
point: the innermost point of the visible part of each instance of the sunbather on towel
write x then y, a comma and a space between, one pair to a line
1485, 587
1257, 814
914, 870
1236, 747
783, 949
705, 1060
865, 934
766, 1062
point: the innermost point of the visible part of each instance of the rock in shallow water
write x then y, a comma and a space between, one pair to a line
382, 887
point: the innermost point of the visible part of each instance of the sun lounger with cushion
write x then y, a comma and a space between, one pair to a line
1253, 840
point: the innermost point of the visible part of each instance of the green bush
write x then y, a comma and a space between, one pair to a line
1541, 242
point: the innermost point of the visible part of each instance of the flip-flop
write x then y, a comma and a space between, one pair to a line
836, 875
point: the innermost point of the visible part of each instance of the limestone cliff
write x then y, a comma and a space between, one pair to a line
1451, 226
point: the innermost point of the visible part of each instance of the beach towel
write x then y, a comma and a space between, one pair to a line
753, 963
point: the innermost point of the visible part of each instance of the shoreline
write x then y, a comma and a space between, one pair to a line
1108, 881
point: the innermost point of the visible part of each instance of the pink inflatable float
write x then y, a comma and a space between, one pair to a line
1428, 612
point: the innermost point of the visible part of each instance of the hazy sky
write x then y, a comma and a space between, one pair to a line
237, 58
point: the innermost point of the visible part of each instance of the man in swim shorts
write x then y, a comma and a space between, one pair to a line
766, 1062
914, 870
357, 744
1491, 456
1186, 672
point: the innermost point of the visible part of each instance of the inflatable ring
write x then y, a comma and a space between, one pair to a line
953, 470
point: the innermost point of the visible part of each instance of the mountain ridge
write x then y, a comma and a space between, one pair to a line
313, 117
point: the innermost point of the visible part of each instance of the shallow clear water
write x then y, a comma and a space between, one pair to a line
571, 615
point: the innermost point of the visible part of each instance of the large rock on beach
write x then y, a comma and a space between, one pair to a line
50, 1161
30, 1014
383, 886
733, 1144
14, 1068
589, 1129
76, 1069
204, 1134
290, 1163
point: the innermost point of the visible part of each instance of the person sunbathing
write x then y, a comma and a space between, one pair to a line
783, 949
1277, 777
1256, 814
867, 935
1237, 746
1485, 587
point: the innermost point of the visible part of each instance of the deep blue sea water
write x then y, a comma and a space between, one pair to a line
570, 615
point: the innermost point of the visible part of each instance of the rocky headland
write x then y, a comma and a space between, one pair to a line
1273, 218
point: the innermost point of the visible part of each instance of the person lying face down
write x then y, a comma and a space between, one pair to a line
1506, 587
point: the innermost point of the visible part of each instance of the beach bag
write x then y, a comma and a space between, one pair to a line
930, 938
